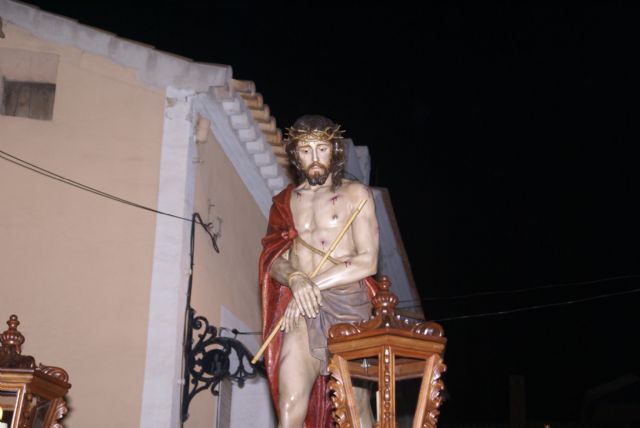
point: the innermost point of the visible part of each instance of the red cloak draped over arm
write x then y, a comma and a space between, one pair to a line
281, 232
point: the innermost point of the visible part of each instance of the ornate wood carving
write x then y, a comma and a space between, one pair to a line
387, 389
429, 401
385, 348
27, 408
338, 395
60, 411
435, 400
39, 390
56, 372
12, 341
384, 316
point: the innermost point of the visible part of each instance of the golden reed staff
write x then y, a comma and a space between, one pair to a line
314, 273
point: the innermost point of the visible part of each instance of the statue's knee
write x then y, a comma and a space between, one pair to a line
290, 401
293, 408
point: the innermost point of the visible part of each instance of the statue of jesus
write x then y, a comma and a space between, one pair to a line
304, 220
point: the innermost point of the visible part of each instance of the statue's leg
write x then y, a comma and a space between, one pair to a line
298, 372
362, 396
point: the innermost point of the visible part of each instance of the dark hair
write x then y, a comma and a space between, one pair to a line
307, 124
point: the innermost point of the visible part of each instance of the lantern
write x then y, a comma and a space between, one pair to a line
383, 351
30, 396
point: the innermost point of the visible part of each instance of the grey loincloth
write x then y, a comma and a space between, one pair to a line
349, 303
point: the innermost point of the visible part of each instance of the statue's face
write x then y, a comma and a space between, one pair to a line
315, 160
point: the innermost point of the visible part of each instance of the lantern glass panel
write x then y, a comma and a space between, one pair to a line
8, 401
405, 373
42, 408
407, 392
364, 368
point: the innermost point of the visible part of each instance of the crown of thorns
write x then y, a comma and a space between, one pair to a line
327, 134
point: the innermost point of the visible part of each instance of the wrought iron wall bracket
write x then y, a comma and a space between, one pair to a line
207, 361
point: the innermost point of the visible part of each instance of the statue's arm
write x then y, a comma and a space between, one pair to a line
281, 268
306, 295
365, 236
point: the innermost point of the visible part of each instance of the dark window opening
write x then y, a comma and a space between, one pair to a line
28, 99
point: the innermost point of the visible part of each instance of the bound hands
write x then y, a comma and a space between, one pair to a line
306, 300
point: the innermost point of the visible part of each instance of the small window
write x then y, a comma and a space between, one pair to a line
27, 99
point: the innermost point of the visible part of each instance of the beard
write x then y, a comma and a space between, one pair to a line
318, 177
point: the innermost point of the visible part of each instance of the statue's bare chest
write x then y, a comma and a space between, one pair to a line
318, 212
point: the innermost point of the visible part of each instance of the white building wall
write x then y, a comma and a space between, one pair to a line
162, 378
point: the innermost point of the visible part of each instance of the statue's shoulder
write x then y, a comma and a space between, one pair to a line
355, 186
283, 195
356, 189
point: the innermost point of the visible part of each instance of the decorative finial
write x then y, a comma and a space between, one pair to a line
384, 302
12, 340
385, 283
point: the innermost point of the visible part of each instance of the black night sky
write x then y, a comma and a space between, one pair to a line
507, 137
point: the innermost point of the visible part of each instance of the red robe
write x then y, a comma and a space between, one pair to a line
276, 296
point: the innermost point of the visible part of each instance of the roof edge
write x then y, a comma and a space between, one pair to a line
154, 67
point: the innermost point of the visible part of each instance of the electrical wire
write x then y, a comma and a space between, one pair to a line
49, 174
547, 305
519, 290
